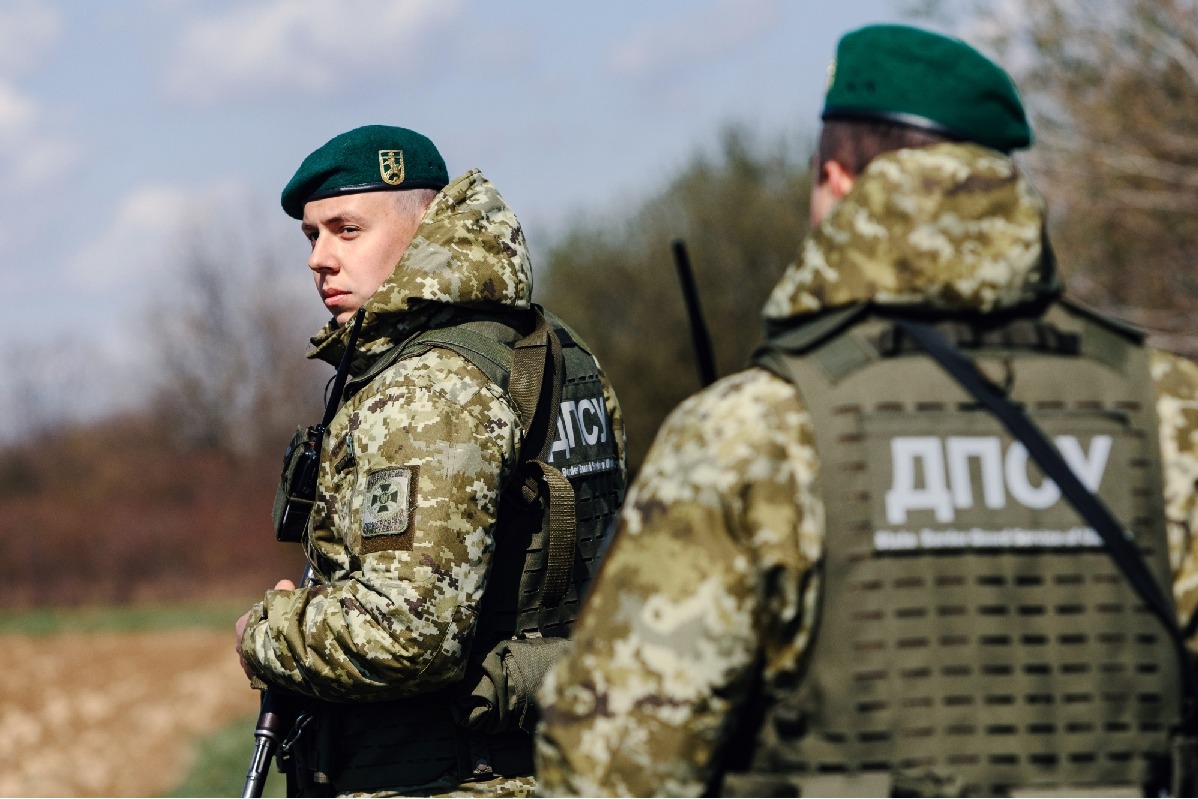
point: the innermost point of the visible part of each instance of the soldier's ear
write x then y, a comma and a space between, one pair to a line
837, 178
832, 184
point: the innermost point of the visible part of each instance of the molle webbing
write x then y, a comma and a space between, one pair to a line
970, 630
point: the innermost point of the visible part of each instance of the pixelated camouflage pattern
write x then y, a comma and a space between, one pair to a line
1176, 381
951, 227
709, 584
717, 534
467, 222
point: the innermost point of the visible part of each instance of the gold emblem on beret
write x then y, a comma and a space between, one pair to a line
391, 166
831, 75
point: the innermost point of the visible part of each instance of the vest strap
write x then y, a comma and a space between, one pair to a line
530, 357
562, 534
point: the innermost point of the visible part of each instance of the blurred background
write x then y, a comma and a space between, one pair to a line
156, 305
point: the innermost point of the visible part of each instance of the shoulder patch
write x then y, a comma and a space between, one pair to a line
387, 506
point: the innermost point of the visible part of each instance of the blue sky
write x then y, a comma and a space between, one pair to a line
125, 126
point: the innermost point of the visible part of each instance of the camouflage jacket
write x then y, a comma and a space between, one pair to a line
665, 657
411, 473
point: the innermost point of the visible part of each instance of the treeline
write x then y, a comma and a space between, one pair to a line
113, 513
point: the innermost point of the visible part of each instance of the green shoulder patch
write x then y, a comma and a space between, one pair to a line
387, 506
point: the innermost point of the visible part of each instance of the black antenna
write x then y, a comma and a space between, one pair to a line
699, 337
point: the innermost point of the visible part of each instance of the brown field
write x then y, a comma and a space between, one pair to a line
115, 713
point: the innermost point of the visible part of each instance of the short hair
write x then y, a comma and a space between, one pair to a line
413, 202
854, 143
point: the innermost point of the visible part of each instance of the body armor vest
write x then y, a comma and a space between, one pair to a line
554, 517
974, 635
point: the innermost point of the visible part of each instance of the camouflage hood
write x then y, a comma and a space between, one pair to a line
954, 227
468, 251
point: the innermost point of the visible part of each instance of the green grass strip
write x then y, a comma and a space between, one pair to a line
221, 762
49, 621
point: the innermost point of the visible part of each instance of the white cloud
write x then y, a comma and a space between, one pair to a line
145, 234
725, 26
304, 44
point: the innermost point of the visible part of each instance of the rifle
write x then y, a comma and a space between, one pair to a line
699, 337
278, 713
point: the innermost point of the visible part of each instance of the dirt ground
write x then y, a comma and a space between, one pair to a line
113, 714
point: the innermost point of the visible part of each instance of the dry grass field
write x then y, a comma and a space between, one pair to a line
113, 713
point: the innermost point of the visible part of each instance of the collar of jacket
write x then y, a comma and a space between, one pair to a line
945, 229
469, 251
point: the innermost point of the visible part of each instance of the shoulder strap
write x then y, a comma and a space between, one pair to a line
1119, 544
539, 403
481, 343
534, 355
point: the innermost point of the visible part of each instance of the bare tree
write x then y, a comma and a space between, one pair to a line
230, 334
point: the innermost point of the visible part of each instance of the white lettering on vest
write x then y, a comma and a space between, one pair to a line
933, 473
976, 538
988, 451
564, 440
1088, 467
903, 496
1020, 485
588, 417
590, 434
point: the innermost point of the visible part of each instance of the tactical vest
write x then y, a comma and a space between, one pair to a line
553, 519
973, 635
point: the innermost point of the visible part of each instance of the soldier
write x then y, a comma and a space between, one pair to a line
464, 484
837, 573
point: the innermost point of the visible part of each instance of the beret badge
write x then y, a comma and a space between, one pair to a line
391, 166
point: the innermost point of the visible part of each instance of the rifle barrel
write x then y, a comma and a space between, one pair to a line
266, 743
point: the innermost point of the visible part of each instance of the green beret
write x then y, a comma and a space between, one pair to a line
914, 77
370, 158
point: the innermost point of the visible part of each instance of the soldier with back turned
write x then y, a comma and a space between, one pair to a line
837, 573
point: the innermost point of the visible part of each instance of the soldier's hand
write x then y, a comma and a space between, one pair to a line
239, 627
